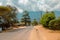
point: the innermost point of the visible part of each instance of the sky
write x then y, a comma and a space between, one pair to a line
33, 5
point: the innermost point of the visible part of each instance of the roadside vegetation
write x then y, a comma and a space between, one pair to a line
34, 22
7, 16
55, 24
25, 20
50, 21
8, 19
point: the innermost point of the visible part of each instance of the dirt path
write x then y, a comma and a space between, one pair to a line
48, 34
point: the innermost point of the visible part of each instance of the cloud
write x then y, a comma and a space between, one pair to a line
0, 3
20, 10
22, 1
34, 5
38, 5
57, 7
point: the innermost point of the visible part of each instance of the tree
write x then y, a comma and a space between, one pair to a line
4, 11
8, 14
26, 18
46, 18
34, 22
54, 24
13, 14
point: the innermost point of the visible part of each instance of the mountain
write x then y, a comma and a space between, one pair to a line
36, 15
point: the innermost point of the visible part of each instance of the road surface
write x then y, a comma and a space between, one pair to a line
27, 33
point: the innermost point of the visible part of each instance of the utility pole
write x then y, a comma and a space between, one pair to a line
41, 14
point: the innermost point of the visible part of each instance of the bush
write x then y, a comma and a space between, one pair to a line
54, 24
34, 23
46, 18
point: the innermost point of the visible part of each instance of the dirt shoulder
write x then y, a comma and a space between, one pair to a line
49, 34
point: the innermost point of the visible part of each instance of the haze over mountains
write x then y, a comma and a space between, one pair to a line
36, 15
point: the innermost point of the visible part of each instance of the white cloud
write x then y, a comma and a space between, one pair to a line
0, 3
20, 10
8, 2
57, 7
37, 5
34, 5
22, 1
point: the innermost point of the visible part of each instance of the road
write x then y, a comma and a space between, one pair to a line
27, 33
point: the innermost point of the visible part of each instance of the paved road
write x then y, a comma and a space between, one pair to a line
28, 33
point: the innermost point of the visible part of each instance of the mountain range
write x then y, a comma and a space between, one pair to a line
36, 15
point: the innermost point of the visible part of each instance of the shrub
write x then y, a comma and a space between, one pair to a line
46, 18
34, 23
54, 24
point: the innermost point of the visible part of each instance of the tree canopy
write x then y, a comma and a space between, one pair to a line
34, 22
8, 14
47, 17
26, 18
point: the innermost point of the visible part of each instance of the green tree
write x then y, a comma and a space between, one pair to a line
26, 18
46, 18
4, 11
8, 14
55, 24
34, 22
13, 14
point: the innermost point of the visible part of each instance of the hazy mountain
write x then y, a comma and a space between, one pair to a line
36, 15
